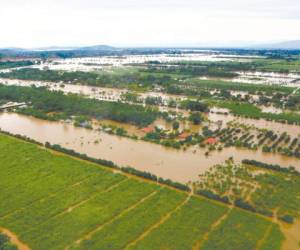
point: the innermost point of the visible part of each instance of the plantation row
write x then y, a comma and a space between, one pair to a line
273, 191
53, 201
239, 135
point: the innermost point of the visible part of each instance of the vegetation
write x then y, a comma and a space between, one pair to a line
153, 177
234, 86
5, 243
192, 70
128, 79
240, 231
175, 139
55, 105
257, 187
240, 135
251, 111
195, 118
274, 167
14, 64
44, 193
194, 105
281, 63
124, 230
45, 190
175, 233
273, 240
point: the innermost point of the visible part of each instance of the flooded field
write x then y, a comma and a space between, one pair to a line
96, 63
113, 94
261, 123
108, 94
100, 93
177, 165
291, 79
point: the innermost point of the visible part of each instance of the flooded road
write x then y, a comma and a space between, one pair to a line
178, 165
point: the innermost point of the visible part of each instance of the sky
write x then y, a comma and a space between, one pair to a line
41, 23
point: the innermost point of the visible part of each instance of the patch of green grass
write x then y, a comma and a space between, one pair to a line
41, 210
237, 86
273, 240
130, 226
185, 227
238, 231
269, 192
251, 111
86, 217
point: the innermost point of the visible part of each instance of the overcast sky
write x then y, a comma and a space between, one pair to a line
36, 23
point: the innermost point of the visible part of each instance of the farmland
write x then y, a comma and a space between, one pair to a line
267, 189
150, 125
53, 201
138, 149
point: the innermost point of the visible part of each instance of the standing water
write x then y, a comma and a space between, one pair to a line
178, 165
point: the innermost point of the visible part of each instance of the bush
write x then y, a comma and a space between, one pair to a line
287, 218
71, 152
209, 194
242, 204
5, 243
274, 167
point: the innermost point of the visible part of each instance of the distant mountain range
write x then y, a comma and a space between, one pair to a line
105, 50
98, 47
58, 51
289, 45
61, 48
295, 44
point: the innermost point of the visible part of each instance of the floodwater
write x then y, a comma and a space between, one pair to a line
291, 79
100, 93
178, 165
113, 94
271, 109
261, 123
292, 235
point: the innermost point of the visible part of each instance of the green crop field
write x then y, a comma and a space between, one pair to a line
53, 201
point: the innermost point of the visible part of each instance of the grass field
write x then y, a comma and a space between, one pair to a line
53, 201
251, 111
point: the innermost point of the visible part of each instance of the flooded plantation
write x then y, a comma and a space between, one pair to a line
258, 123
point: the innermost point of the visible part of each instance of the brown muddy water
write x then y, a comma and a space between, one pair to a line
178, 165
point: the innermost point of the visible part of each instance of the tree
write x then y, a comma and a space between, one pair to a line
175, 125
195, 118
195, 105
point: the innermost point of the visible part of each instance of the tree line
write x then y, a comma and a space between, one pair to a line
43, 101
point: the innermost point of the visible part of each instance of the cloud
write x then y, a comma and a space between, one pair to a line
130, 22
